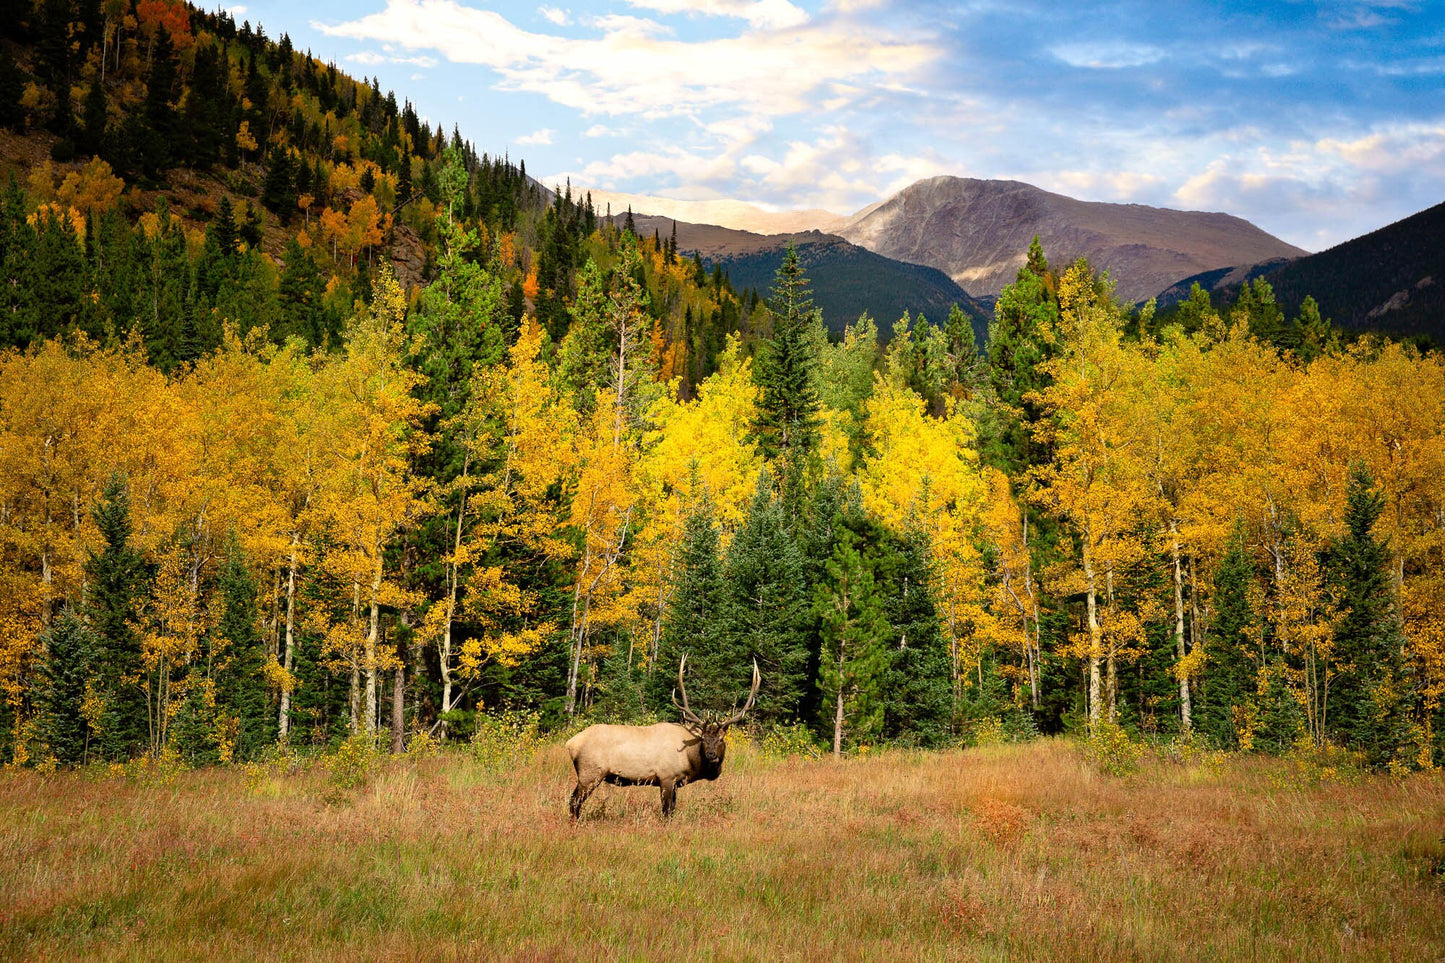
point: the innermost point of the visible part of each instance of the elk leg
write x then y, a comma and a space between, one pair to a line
579, 796
669, 799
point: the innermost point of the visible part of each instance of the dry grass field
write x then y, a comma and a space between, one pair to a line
1013, 852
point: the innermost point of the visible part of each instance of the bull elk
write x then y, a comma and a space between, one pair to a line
668, 755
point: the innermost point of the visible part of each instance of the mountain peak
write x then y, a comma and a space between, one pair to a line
977, 232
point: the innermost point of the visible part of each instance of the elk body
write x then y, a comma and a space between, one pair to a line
668, 755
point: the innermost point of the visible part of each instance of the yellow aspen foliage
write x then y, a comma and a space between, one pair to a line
92, 190
371, 494
173, 622
706, 441
520, 426
70, 217
245, 140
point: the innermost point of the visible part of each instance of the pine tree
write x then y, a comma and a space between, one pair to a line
117, 578
157, 149
1230, 680
278, 191
240, 655
92, 132
223, 228
1021, 338
70, 712
853, 665
918, 690
694, 625
768, 607
1371, 698
787, 425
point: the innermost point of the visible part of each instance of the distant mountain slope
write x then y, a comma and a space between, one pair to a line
846, 279
734, 215
978, 231
1391, 280
1218, 279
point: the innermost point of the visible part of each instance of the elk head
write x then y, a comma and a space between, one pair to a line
713, 730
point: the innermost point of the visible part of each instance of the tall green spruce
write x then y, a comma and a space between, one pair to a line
1230, 680
71, 659
1369, 707
694, 625
768, 605
917, 705
240, 656
787, 420
853, 661
117, 579
1021, 338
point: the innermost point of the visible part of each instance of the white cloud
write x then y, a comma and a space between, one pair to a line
601, 130
237, 10
559, 17
371, 58
763, 14
631, 69
1109, 55
537, 138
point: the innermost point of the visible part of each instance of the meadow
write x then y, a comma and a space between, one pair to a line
1005, 852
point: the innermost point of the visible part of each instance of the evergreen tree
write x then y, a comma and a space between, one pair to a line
278, 191
918, 691
1020, 339
787, 421
693, 626
1368, 708
240, 655
117, 578
1256, 306
92, 132
299, 298
156, 150
65, 690
768, 606
1230, 681
853, 664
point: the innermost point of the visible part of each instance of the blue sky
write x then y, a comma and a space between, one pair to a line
1318, 121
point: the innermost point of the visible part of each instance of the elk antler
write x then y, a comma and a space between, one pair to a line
752, 695
687, 714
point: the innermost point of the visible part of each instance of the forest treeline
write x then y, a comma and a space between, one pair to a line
1084, 526
264, 478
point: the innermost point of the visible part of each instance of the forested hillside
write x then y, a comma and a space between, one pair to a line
388, 437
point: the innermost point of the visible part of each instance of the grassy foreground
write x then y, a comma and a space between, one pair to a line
1015, 852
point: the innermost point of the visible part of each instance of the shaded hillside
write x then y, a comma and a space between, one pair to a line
1219, 279
977, 232
1391, 280
847, 280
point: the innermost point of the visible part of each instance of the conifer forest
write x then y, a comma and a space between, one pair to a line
318, 424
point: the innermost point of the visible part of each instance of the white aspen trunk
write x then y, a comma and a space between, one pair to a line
575, 663
452, 587
284, 722
1095, 639
355, 694
1037, 654
398, 706
372, 634
1184, 702
838, 720
1113, 686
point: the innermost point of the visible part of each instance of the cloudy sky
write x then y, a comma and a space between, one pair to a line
1318, 121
